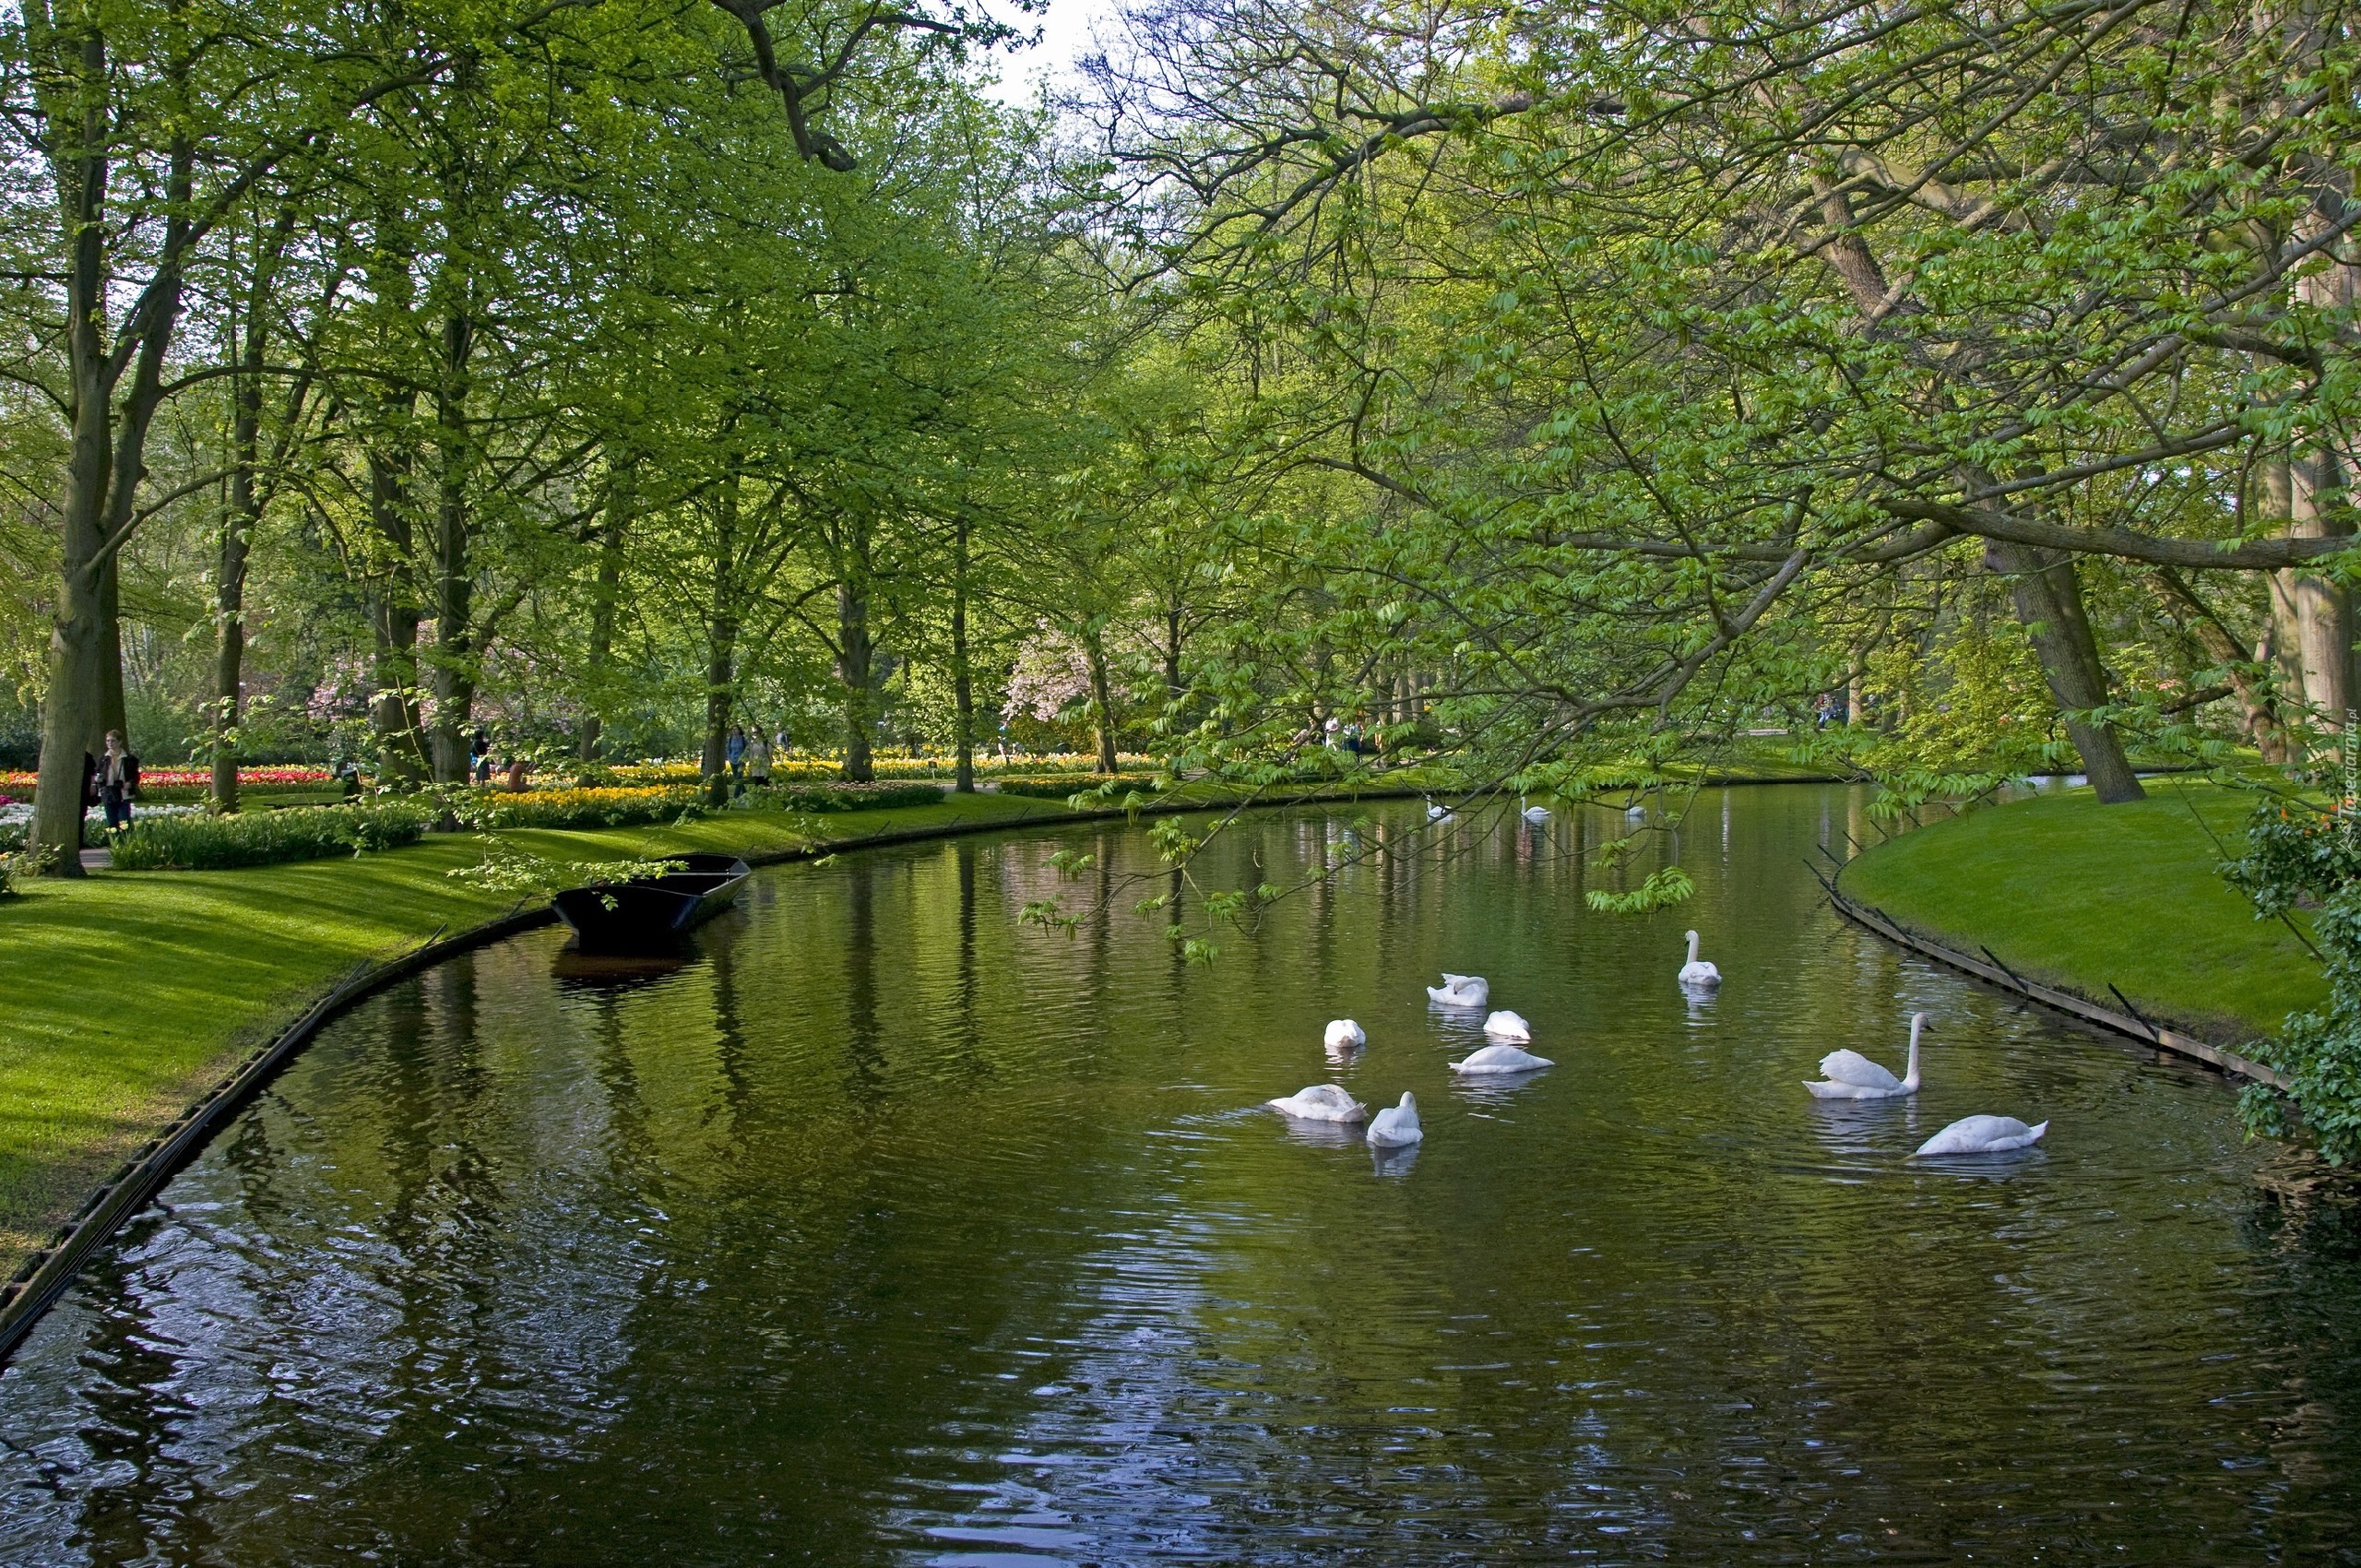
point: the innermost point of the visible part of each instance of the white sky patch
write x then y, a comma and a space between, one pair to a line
1065, 38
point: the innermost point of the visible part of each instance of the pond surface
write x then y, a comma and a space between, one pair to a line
892, 1230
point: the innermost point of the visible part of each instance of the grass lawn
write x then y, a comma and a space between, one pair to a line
2077, 895
128, 994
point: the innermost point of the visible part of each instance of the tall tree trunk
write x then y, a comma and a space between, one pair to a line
855, 667
622, 492
113, 716
238, 522
393, 610
2049, 597
240, 518
963, 683
1102, 697
721, 646
2314, 616
451, 675
108, 454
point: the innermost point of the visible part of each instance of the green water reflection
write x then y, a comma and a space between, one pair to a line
886, 1229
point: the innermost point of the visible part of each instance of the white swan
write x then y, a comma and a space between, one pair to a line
1436, 812
1537, 815
1461, 990
1344, 1035
1501, 1059
1321, 1102
1697, 971
1983, 1134
1507, 1025
1635, 812
1397, 1124
1852, 1076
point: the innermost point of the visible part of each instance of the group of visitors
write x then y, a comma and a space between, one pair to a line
515, 770
749, 758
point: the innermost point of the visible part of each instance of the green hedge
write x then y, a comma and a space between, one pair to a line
849, 797
1060, 789
193, 841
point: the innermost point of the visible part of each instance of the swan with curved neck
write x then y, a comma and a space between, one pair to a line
1697, 971
1397, 1124
1461, 990
1851, 1075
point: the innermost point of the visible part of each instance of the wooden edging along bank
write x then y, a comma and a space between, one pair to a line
46, 1274
1996, 973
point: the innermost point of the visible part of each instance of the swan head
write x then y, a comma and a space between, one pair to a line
1408, 1102
1692, 946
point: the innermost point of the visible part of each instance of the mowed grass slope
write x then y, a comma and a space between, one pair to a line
2076, 894
127, 995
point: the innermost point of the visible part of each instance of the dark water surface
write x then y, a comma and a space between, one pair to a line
890, 1230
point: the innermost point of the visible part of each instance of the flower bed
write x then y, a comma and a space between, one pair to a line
191, 840
14, 779
623, 806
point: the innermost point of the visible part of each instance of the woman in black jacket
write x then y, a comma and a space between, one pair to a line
112, 781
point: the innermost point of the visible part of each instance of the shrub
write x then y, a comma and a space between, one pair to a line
618, 807
851, 797
191, 841
1060, 789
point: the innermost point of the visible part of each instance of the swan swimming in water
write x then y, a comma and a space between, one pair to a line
1537, 815
1461, 990
1501, 1059
1635, 812
1697, 971
1507, 1025
1344, 1035
1321, 1102
1397, 1124
1436, 812
1983, 1134
1852, 1076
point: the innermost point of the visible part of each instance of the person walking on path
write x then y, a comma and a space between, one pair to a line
758, 761
112, 781
735, 749
480, 750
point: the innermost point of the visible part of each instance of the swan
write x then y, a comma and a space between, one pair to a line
1321, 1102
1461, 990
1501, 1059
1635, 812
1397, 1124
1507, 1025
1537, 815
1983, 1134
1436, 812
1852, 1076
1344, 1035
1697, 971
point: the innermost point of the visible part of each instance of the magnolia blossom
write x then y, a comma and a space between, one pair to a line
1051, 674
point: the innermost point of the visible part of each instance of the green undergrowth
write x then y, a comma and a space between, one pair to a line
128, 994
2080, 896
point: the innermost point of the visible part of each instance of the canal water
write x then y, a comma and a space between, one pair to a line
891, 1229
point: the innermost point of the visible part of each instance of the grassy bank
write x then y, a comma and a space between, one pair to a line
131, 994
2079, 895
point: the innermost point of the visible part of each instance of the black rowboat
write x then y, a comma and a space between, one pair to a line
651, 910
